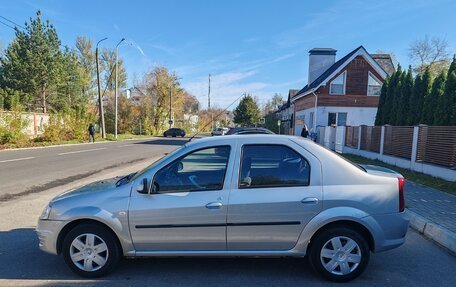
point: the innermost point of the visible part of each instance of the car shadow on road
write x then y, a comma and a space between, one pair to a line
21, 259
164, 141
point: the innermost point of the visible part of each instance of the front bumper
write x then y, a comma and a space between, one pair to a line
48, 232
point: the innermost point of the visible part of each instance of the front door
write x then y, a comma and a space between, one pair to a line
187, 209
277, 194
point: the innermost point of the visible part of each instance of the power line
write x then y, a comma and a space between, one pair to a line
23, 28
12, 22
7, 25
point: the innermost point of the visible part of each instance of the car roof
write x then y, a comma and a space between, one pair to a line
261, 138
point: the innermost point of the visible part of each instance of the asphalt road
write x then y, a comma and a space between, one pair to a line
35, 170
417, 263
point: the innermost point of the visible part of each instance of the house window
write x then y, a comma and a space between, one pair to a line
337, 86
332, 119
373, 85
341, 119
337, 119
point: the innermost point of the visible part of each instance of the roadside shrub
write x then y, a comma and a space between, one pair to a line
12, 125
71, 125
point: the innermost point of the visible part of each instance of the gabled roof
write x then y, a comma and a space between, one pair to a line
385, 61
286, 105
337, 66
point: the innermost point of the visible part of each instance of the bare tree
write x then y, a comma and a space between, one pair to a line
431, 53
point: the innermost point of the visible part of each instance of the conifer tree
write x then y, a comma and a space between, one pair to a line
402, 108
396, 108
420, 91
389, 99
434, 104
381, 103
449, 98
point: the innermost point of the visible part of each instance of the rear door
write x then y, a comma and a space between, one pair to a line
275, 194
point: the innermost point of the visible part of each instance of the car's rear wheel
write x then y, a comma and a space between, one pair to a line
339, 254
91, 250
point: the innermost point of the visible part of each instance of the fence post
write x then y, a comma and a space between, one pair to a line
382, 142
416, 132
359, 138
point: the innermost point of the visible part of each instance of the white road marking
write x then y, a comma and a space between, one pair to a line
79, 151
125, 145
17, 159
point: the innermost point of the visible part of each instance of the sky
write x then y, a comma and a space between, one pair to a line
248, 46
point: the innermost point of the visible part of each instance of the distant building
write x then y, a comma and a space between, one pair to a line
285, 114
343, 92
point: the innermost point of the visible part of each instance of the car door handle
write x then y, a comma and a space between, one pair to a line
309, 200
214, 205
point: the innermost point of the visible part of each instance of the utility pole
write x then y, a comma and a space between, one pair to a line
100, 100
209, 102
170, 105
116, 87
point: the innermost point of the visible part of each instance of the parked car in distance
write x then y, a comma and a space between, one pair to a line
249, 130
174, 132
219, 131
261, 195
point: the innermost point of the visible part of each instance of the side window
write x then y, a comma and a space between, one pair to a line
201, 170
337, 86
272, 166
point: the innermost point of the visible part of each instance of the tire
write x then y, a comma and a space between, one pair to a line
347, 265
80, 236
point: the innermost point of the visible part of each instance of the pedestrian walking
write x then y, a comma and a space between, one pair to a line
91, 132
304, 131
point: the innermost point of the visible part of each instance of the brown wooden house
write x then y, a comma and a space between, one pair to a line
343, 92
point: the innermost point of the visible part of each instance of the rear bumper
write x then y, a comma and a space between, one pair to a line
388, 230
48, 232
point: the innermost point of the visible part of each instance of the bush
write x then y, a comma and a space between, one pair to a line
12, 125
72, 125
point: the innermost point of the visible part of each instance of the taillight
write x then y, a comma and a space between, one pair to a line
401, 182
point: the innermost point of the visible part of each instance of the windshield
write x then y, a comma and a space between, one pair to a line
138, 174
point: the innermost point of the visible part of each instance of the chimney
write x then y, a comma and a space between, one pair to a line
320, 59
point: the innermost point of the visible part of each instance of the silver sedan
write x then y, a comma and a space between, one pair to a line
253, 195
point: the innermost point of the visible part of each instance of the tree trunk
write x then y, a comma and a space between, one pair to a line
43, 98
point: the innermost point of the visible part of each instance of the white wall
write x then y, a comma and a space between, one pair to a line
356, 116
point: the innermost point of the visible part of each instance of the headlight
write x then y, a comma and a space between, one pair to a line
46, 212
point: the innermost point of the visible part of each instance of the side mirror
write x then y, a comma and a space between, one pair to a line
143, 187
180, 166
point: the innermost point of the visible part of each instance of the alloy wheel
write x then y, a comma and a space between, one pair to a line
340, 255
89, 252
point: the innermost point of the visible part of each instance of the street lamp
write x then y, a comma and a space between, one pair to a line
171, 100
100, 100
116, 88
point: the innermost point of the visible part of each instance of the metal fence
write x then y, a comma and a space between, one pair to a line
437, 145
370, 138
398, 141
351, 136
434, 144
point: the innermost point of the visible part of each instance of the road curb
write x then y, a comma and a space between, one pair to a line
439, 234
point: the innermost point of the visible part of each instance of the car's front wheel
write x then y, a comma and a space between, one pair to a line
339, 254
91, 250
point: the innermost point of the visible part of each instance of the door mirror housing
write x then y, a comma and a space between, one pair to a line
143, 187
